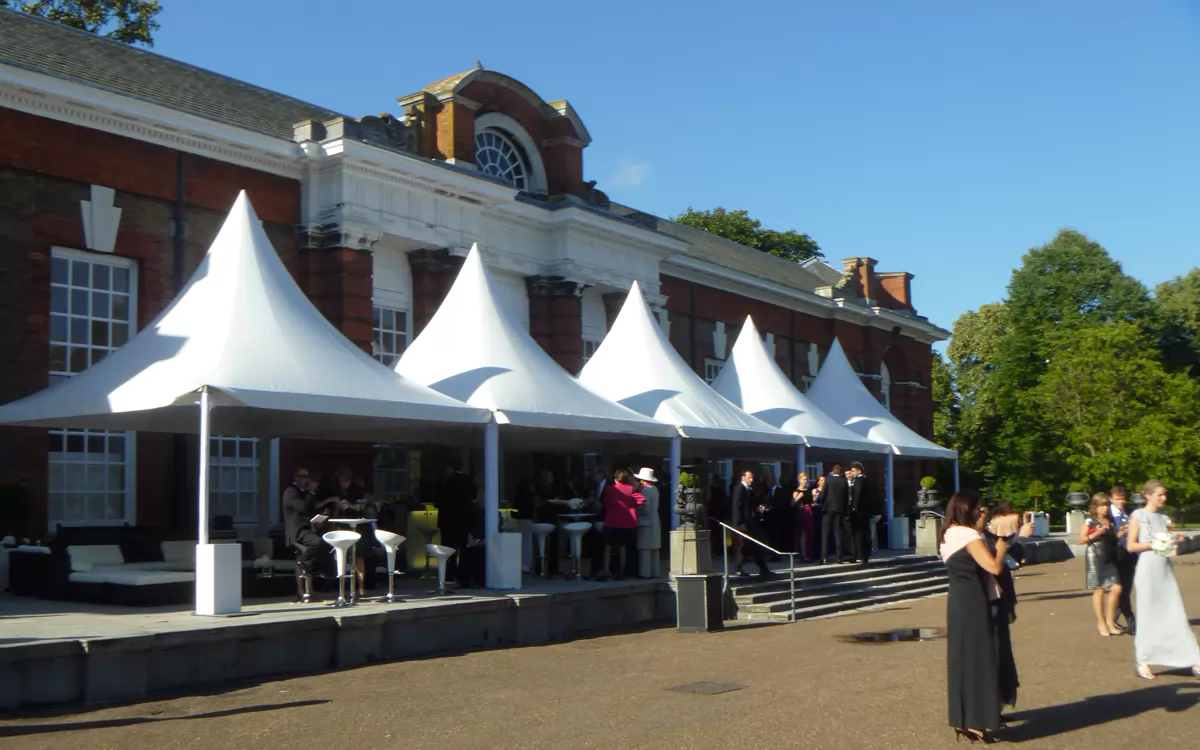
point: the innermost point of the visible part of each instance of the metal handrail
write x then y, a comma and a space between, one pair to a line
764, 545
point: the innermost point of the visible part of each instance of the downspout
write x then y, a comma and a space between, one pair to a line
692, 325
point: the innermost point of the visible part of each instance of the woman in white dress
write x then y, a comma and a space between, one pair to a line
1164, 635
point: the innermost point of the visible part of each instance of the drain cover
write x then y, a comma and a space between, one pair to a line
707, 688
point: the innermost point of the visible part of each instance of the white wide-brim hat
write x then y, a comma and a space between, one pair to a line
646, 474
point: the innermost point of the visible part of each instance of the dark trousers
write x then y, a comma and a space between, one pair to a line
309, 544
860, 536
471, 566
593, 547
457, 541
834, 524
1126, 565
755, 551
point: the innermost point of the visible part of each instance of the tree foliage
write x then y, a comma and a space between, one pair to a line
1075, 377
739, 227
1179, 300
128, 21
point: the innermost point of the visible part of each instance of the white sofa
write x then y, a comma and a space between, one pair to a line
104, 563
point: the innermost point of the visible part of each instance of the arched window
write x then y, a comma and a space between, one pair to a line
885, 386
498, 155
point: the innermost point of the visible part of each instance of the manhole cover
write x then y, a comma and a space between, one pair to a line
707, 688
903, 635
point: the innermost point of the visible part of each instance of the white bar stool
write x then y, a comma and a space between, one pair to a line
342, 541
442, 554
428, 533
541, 531
391, 542
575, 532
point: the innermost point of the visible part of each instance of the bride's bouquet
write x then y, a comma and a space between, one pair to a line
1163, 544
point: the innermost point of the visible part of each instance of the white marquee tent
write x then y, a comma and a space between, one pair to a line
473, 350
751, 379
638, 367
242, 350
838, 391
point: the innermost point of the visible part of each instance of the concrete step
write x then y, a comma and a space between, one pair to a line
822, 575
838, 585
848, 606
834, 595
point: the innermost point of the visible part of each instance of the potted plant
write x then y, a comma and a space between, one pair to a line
689, 500
1077, 495
927, 496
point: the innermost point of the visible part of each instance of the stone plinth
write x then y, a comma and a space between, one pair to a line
1075, 520
927, 535
690, 552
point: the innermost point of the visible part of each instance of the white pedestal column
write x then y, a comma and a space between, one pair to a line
503, 569
218, 579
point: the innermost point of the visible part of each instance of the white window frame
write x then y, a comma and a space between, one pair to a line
712, 369
378, 330
589, 349
220, 466
380, 472
535, 181
129, 463
814, 469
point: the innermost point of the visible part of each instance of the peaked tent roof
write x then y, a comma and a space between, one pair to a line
637, 366
752, 380
243, 328
473, 350
838, 391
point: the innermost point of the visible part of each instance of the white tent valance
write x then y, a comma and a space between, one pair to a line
751, 379
638, 367
838, 391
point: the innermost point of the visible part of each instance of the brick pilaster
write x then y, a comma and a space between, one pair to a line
556, 319
433, 273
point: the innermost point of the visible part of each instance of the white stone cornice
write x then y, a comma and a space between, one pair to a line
91, 107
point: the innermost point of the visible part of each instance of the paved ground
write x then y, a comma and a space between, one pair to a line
803, 687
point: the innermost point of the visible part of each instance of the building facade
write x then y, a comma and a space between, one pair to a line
118, 166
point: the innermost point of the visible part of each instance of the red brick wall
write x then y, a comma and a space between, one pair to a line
338, 281
46, 169
556, 323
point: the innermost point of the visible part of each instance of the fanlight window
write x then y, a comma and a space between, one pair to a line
498, 156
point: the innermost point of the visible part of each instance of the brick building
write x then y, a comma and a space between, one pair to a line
118, 166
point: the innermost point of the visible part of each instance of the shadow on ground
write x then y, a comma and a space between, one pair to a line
27, 729
1039, 723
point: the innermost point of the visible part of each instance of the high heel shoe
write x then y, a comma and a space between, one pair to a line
971, 735
1143, 671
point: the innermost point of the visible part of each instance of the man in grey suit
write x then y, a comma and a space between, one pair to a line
299, 506
837, 505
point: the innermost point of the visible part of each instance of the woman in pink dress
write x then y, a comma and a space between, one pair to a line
621, 501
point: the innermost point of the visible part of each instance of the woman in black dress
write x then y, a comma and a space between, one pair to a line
973, 676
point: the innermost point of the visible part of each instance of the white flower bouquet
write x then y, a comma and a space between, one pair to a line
1163, 544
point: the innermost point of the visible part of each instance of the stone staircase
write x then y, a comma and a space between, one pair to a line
823, 590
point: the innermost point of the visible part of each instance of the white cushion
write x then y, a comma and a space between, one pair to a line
123, 577
81, 566
95, 554
178, 552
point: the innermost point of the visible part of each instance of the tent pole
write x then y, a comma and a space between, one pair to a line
956, 473
676, 452
202, 520
802, 460
891, 483
491, 478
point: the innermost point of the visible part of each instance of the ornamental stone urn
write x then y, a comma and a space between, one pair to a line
927, 500
1077, 499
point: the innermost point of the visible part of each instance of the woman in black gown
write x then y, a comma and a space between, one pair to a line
972, 669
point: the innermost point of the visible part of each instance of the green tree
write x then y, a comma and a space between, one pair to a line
945, 403
128, 21
739, 227
1115, 411
1179, 302
973, 354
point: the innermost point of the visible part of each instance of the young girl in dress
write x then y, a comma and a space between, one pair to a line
1100, 567
1164, 635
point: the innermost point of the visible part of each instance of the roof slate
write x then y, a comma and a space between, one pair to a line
44, 47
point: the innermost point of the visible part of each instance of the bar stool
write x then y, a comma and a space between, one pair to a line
575, 532
428, 533
303, 578
541, 531
442, 554
342, 541
391, 542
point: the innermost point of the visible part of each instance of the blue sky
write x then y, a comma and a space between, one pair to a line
941, 137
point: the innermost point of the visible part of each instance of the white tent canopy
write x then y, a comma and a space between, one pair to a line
244, 329
638, 367
473, 350
838, 391
751, 379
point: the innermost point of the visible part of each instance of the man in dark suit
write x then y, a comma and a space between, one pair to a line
779, 514
751, 511
299, 506
862, 507
454, 512
837, 505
